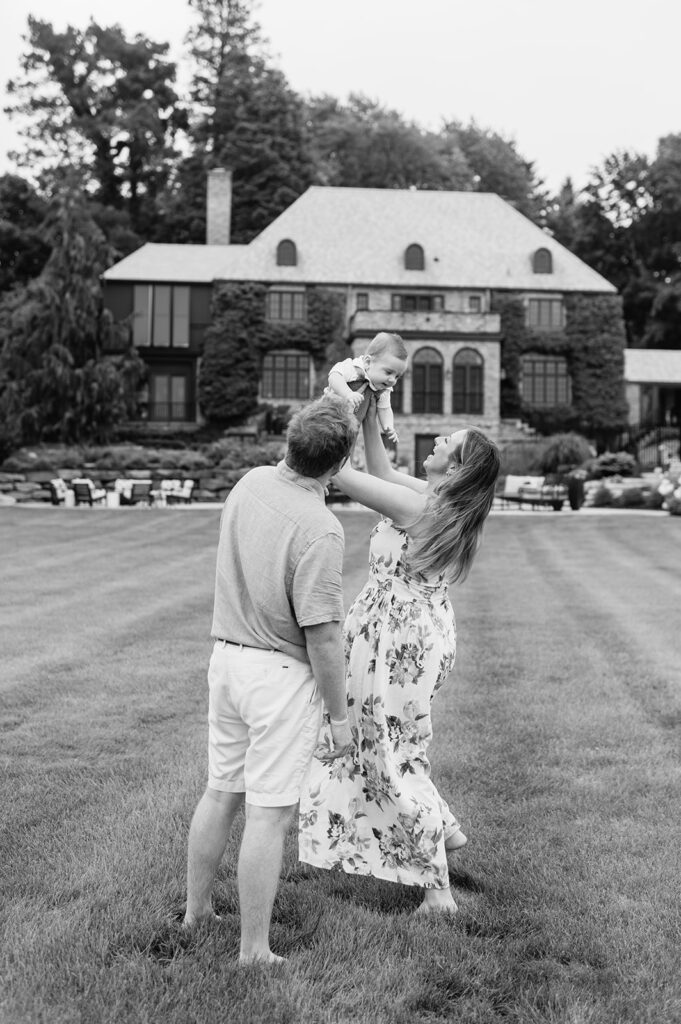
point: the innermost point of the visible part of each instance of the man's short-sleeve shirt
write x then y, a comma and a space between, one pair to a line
279, 562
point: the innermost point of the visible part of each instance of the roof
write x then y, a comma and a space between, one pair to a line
358, 236
185, 264
652, 365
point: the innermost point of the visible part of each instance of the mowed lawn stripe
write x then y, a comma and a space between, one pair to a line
567, 890
575, 794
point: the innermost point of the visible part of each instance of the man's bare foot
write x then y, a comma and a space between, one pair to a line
192, 922
437, 901
267, 957
455, 841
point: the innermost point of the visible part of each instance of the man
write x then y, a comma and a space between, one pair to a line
277, 656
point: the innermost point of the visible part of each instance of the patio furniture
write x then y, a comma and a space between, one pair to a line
133, 492
85, 492
533, 491
58, 491
178, 494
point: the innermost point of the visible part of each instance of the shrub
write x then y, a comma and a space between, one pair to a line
631, 497
612, 464
674, 506
603, 498
653, 499
519, 458
564, 452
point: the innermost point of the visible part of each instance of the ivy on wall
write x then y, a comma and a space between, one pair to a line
592, 343
240, 336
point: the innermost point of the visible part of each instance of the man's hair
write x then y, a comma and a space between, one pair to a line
387, 342
320, 436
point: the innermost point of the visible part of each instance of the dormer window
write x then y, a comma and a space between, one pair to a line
413, 257
542, 262
287, 255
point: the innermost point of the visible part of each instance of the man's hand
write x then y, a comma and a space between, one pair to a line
342, 742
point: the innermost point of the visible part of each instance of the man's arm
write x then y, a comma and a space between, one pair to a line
325, 651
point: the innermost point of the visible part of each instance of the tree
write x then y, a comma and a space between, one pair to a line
244, 116
364, 145
497, 167
23, 251
56, 380
97, 101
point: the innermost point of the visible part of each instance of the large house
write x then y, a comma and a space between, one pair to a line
435, 267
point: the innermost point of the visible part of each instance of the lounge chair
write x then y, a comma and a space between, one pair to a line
180, 493
85, 492
58, 491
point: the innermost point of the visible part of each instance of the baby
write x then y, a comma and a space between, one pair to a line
377, 371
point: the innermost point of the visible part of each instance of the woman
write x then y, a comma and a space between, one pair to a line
376, 811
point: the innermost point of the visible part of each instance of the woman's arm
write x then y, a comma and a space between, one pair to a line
378, 463
401, 504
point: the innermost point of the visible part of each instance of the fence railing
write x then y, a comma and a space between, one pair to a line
644, 442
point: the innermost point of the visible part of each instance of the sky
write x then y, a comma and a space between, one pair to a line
569, 81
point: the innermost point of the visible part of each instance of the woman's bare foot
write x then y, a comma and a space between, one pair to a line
455, 841
267, 957
437, 901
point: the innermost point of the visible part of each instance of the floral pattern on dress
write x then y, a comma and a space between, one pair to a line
377, 811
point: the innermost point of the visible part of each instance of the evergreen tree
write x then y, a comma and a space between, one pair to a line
57, 381
244, 117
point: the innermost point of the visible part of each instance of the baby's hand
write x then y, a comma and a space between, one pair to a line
356, 398
392, 435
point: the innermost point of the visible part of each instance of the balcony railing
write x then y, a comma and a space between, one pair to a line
442, 322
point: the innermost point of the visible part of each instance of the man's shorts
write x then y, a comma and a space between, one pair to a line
264, 716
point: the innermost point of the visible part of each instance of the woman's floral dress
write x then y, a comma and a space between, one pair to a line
376, 811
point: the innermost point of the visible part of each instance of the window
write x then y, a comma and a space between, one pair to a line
545, 314
417, 303
286, 306
287, 255
427, 381
475, 303
544, 380
423, 447
362, 300
468, 380
168, 395
413, 257
542, 262
161, 316
286, 374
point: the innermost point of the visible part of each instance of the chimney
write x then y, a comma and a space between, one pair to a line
219, 206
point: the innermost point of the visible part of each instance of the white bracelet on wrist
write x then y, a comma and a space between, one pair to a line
338, 721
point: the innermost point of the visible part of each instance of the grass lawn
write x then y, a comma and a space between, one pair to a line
556, 744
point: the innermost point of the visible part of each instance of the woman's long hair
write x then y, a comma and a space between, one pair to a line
455, 514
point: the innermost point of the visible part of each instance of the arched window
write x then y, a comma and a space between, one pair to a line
426, 376
413, 257
542, 262
286, 253
468, 378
